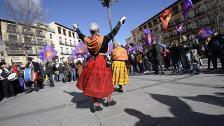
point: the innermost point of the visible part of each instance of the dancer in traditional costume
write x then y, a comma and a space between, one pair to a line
120, 72
96, 78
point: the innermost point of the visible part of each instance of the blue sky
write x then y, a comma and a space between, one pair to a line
83, 12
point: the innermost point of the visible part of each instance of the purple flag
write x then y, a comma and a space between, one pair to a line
148, 36
80, 51
179, 28
139, 47
47, 53
205, 32
187, 5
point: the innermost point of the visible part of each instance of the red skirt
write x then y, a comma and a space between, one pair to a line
96, 78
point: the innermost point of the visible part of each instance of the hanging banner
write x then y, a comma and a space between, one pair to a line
148, 36
165, 18
187, 5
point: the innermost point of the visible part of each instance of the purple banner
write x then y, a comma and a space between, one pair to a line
187, 5
148, 36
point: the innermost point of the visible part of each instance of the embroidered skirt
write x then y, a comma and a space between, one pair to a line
96, 78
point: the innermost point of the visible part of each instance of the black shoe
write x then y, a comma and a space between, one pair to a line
120, 90
94, 108
111, 103
98, 108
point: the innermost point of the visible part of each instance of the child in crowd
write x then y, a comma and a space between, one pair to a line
195, 61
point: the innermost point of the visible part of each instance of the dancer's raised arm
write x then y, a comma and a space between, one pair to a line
109, 36
81, 36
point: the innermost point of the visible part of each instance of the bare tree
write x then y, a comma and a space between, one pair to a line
25, 13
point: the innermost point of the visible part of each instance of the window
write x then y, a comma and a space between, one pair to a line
52, 44
196, 1
39, 40
65, 40
50, 36
73, 34
62, 50
60, 40
175, 10
39, 33
64, 32
12, 38
155, 22
67, 51
69, 33
11, 28
150, 24
27, 39
59, 30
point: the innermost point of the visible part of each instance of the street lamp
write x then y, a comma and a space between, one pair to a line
107, 4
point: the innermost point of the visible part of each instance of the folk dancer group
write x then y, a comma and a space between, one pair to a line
96, 79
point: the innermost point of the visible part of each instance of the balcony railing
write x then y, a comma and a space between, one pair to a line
10, 51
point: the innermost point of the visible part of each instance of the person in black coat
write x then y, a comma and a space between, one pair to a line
157, 58
50, 71
216, 49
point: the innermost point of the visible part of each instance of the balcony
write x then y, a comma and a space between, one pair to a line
14, 43
11, 30
25, 32
16, 51
40, 35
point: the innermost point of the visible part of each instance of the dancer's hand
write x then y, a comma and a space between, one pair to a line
122, 20
75, 26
